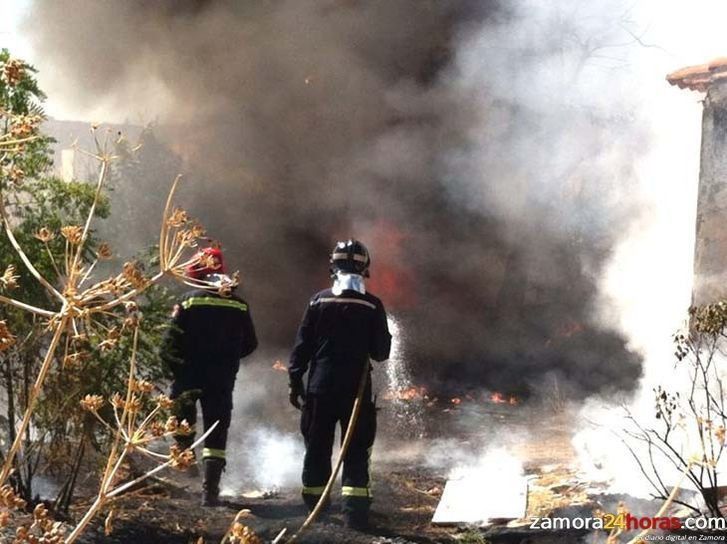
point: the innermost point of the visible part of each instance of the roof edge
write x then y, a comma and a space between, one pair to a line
701, 76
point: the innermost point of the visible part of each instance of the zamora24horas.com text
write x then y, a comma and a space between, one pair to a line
629, 522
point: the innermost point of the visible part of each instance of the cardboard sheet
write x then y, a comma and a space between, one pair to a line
477, 501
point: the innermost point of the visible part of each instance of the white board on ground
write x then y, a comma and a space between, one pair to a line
481, 501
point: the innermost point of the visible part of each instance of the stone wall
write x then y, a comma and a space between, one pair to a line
710, 257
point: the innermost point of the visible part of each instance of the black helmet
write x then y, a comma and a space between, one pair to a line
352, 257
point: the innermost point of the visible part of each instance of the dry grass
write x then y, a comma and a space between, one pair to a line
84, 309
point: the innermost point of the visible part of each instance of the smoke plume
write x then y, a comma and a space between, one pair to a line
481, 150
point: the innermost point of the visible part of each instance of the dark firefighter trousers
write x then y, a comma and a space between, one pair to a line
216, 401
319, 417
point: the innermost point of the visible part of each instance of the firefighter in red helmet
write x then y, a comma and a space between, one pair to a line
211, 330
342, 329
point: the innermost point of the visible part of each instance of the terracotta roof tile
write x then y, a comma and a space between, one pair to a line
701, 76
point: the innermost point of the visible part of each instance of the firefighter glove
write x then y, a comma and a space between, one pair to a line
296, 393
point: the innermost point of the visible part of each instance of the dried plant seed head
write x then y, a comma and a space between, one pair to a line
7, 496
171, 425
207, 261
70, 291
164, 402
104, 252
198, 231
79, 338
242, 534
184, 428
45, 235
133, 274
719, 433
16, 175
133, 315
181, 459
108, 345
134, 404
156, 429
132, 321
40, 512
7, 340
72, 233
92, 403
116, 401
24, 126
76, 359
186, 238
143, 386
14, 71
178, 218
9, 279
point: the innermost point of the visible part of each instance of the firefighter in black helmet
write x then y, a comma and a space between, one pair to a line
342, 329
211, 331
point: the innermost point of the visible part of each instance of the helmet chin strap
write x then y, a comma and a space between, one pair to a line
343, 281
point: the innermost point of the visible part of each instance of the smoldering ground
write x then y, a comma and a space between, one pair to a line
481, 150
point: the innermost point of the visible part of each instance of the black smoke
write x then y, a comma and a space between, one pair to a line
480, 148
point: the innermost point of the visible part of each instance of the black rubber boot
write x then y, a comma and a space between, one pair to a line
312, 500
213, 468
356, 512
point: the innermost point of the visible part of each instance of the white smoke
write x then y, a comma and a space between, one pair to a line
647, 287
267, 459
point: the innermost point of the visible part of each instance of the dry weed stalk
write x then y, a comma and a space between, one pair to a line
239, 533
84, 311
134, 431
614, 536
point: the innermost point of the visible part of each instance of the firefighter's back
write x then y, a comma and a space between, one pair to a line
218, 330
344, 327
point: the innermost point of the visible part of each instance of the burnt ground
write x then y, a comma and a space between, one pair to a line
408, 483
169, 512
407, 488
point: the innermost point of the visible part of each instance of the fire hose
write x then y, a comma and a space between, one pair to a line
347, 437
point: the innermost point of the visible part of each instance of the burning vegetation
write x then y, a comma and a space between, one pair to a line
421, 394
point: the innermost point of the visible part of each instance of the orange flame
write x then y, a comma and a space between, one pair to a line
498, 398
408, 393
279, 366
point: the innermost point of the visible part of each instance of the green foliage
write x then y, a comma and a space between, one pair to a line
24, 99
38, 206
50, 203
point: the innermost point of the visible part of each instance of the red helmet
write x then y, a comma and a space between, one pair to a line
208, 261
